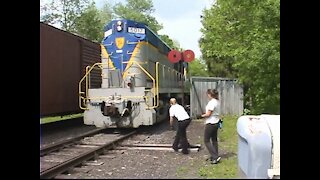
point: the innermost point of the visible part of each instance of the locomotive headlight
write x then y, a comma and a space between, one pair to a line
119, 28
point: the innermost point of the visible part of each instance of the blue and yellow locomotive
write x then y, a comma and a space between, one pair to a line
137, 78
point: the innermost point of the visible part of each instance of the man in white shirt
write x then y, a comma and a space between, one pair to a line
184, 120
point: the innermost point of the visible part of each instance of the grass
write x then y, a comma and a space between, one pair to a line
181, 171
228, 167
228, 141
59, 118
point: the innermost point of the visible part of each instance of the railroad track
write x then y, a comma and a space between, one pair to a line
62, 157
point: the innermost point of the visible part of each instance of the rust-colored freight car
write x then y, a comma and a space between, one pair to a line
63, 58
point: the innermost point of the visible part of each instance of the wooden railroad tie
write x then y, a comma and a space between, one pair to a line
159, 147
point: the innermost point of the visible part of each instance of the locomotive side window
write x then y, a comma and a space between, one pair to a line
108, 33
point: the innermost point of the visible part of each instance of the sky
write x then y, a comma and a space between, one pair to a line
180, 19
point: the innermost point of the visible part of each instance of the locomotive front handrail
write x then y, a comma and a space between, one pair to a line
86, 86
87, 80
155, 83
100, 65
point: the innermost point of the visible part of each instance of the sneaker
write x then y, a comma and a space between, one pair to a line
218, 159
175, 150
185, 152
214, 161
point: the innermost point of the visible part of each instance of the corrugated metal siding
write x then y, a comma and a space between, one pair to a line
91, 53
230, 95
61, 67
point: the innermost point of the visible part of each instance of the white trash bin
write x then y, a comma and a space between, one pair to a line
259, 146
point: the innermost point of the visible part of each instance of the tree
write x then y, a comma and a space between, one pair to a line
138, 10
246, 34
106, 13
79, 17
64, 13
141, 11
176, 44
89, 24
198, 68
220, 66
169, 42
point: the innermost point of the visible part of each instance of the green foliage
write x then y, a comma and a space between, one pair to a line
141, 11
89, 24
227, 170
228, 143
246, 112
181, 171
168, 41
63, 12
228, 135
220, 66
59, 118
242, 39
176, 44
138, 10
81, 17
106, 13
197, 68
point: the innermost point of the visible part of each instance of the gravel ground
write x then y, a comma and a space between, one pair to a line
58, 131
151, 164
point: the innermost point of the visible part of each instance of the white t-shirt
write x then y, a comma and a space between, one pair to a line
214, 106
179, 112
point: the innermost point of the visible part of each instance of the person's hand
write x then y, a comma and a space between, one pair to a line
199, 116
171, 122
171, 128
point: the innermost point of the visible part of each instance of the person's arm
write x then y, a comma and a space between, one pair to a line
211, 107
207, 114
171, 121
171, 114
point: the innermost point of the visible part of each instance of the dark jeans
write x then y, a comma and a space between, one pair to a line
181, 136
210, 133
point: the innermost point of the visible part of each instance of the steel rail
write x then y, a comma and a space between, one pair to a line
50, 148
66, 165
